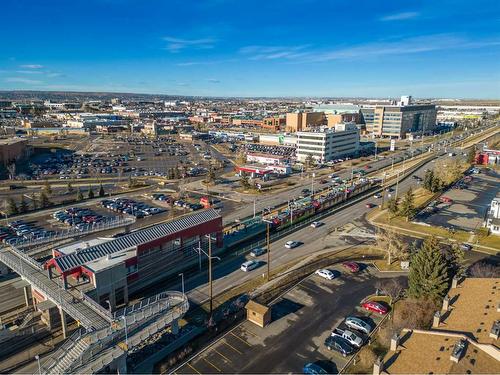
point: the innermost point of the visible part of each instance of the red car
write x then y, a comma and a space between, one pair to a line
351, 266
375, 307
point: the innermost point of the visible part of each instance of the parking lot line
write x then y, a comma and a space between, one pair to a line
232, 347
211, 364
250, 332
222, 355
239, 338
307, 288
193, 368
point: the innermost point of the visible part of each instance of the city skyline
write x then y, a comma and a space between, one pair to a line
226, 48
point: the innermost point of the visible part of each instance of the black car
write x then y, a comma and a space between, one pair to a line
339, 344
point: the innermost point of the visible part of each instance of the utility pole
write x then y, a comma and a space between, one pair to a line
210, 270
383, 192
268, 242
397, 185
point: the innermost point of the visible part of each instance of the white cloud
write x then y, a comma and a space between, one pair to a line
400, 16
213, 80
205, 62
273, 52
175, 45
29, 71
23, 80
31, 66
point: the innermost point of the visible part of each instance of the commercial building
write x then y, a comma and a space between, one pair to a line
302, 121
463, 338
110, 269
493, 217
12, 149
267, 159
273, 123
329, 144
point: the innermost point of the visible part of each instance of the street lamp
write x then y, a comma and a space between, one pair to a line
210, 257
126, 330
182, 281
37, 357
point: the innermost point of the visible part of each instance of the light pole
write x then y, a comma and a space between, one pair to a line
37, 357
268, 245
182, 281
126, 330
210, 270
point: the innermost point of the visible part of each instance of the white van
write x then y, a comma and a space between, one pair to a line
249, 265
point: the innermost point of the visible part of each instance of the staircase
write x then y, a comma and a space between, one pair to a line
69, 358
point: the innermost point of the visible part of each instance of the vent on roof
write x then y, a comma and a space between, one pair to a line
495, 330
458, 350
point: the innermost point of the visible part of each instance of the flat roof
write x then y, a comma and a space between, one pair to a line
474, 308
76, 246
428, 352
109, 261
11, 141
78, 258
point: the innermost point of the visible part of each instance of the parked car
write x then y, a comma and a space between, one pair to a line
352, 338
316, 224
465, 247
351, 266
375, 307
377, 196
358, 324
313, 369
339, 344
249, 265
292, 244
258, 251
369, 205
326, 274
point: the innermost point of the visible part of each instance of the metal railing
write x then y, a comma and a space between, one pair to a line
55, 357
111, 223
105, 313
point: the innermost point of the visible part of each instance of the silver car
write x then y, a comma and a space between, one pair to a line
358, 324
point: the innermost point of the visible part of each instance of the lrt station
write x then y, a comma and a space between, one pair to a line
87, 285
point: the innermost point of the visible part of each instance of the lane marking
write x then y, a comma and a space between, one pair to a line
194, 368
232, 347
239, 338
211, 364
222, 355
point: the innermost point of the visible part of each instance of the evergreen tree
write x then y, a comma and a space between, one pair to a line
23, 205
471, 156
11, 207
34, 201
428, 180
436, 185
210, 175
44, 200
407, 207
101, 191
428, 271
79, 195
244, 181
393, 206
47, 188
91, 192
70, 188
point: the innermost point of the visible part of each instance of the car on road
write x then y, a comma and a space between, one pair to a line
465, 247
374, 307
358, 324
369, 205
313, 369
258, 251
377, 196
351, 266
292, 244
339, 344
249, 265
316, 224
326, 274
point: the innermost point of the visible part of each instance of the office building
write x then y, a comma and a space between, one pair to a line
302, 121
329, 144
398, 121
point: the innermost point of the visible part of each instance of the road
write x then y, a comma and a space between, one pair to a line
228, 274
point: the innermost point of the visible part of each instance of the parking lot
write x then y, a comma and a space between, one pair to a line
301, 321
468, 205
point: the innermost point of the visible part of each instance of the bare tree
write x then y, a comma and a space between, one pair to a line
11, 168
393, 288
392, 243
484, 270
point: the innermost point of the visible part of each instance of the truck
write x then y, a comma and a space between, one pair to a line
352, 338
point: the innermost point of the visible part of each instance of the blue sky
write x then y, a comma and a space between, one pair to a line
374, 48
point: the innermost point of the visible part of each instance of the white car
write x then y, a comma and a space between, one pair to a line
257, 252
377, 196
358, 324
326, 274
316, 224
291, 244
249, 265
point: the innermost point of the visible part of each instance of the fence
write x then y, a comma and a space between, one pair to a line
96, 307
111, 223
